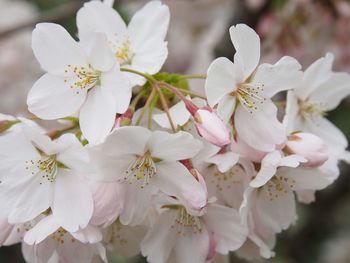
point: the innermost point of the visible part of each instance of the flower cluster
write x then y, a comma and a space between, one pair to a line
144, 164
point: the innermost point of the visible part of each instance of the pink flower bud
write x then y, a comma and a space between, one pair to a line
211, 127
310, 146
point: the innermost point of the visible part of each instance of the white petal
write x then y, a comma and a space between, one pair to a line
172, 147
127, 140
268, 169
159, 241
260, 129
222, 78
52, 98
224, 161
90, 234
55, 49
179, 114
97, 115
151, 21
137, 202
247, 45
100, 56
74, 156
292, 113
330, 93
226, 107
35, 198
118, 87
98, 17
283, 75
316, 74
73, 204
41, 230
229, 233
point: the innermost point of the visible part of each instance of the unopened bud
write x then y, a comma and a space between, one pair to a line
211, 127
310, 146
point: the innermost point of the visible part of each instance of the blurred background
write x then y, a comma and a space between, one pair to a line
305, 29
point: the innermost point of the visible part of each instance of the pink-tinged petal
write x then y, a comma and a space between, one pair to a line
72, 204
226, 224
46, 226
222, 78
316, 74
118, 87
174, 179
179, 146
108, 202
151, 21
126, 239
192, 247
246, 151
330, 93
283, 75
34, 199
100, 55
276, 209
55, 49
247, 45
44, 252
98, 17
5, 230
137, 202
160, 239
260, 129
90, 234
306, 196
211, 127
52, 98
97, 115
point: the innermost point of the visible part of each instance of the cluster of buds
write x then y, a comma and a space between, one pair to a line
149, 166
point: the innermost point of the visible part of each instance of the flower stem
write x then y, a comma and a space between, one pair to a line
193, 77
145, 107
165, 107
146, 76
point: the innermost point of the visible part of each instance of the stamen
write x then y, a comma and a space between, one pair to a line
46, 166
88, 78
311, 110
143, 168
249, 95
186, 223
124, 53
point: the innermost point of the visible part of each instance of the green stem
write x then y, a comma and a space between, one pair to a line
146, 76
145, 107
193, 77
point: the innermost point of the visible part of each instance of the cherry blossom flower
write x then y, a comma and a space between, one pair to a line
140, 45
191, 237
145, 162
245, 89
80, 77
309, 102
44, 175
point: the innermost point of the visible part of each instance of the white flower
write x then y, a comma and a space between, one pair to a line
320, 91
79, 77
191, 237
245, 89
145, 162
48, 242
277, 180
140, 45
38, 174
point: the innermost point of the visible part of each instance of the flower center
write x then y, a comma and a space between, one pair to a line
185, 223
310, 110
141, 170
228, 179
124, 52
278, 186
86, 78
61, 237
249, 95
46, 167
